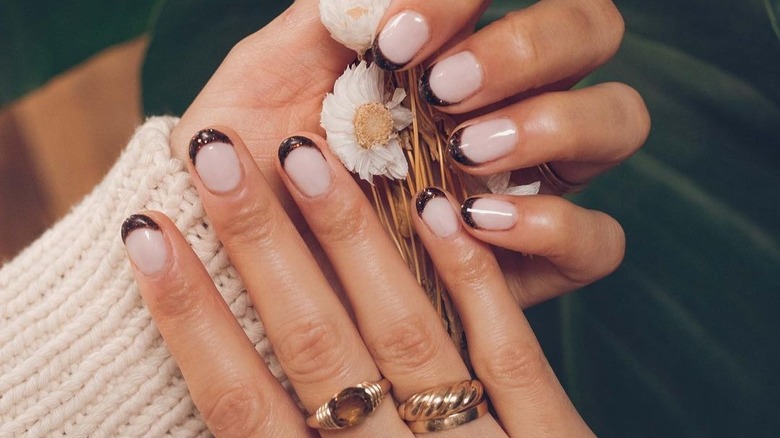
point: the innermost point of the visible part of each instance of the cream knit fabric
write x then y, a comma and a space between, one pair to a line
79, 354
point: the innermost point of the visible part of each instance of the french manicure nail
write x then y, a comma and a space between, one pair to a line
304, 163
452, 80
483, 142
489, 214
400, 40
436, 211
145, 243
216, 161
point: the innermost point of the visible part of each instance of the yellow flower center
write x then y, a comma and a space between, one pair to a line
357, 12
373, 125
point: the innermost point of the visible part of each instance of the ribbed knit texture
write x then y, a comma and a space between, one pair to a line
79, 353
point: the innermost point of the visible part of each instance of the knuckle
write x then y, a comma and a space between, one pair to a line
350, 223
558, 226
312, 350
472, 269
238, 411
407, 344
178, 305
251, 224
630, 111
615, 237
524, 43
516, 365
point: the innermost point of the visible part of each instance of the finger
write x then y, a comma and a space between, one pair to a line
312, 334
228, 381
394, 315
582, 245
412, 30
504, 351
580, 132
549, 42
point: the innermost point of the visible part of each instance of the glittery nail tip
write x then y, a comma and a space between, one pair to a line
137, 221
424, 87
455, 151
426, 196
381, 61
204, 137
465, 211
293, 143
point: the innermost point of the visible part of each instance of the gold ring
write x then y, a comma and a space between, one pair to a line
450, 421
556, 182
442, 401
350, 407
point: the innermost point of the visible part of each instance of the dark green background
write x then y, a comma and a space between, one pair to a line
684, 339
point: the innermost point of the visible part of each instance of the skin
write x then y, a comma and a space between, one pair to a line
270, 86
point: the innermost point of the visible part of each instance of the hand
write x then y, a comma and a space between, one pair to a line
396, 333
273, 83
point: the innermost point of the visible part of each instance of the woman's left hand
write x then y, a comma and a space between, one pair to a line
393, 332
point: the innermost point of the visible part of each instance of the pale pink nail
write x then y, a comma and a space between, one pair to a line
218, 167
401, 39
484, 142
455, 78
304, 164
489, 214
145, 244
436, 211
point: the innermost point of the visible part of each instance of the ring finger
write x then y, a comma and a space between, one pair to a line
394, 315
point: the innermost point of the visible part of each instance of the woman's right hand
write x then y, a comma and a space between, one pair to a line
273, 82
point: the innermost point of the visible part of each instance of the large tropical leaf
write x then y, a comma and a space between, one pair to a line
41, 38
683, 340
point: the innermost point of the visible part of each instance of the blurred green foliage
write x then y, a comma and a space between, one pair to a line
684, 339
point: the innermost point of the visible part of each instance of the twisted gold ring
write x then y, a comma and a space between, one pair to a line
450, 421
556, 182
442, 401
350, 407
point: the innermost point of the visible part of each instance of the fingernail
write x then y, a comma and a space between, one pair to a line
145, 243
400, 40
216, 161
304, 163
452, 80
489, 214
436, 211
483, 142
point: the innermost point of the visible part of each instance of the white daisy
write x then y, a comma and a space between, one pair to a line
353, 22
362, 123
499, 184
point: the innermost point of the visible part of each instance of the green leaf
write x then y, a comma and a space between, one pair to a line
773, 8
40, 39
190, 40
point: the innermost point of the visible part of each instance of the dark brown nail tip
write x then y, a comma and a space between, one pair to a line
135, 222
424, 87
204, 137
425, 196
381, 61
465, 212
292, 143
455, 150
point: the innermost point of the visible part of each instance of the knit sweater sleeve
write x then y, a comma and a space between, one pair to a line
79, 353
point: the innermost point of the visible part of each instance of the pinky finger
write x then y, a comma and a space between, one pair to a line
228, 381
